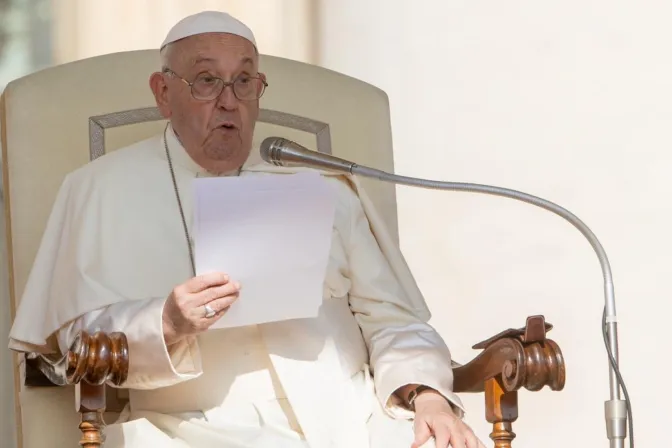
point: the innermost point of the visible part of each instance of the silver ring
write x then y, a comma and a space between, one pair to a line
209, 312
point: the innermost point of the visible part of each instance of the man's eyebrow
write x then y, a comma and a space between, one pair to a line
203, 59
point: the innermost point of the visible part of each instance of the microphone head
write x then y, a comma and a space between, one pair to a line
280, 151
271, 148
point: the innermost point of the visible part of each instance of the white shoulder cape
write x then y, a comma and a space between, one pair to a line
56, 294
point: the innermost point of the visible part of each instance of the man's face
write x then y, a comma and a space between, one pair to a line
217, 133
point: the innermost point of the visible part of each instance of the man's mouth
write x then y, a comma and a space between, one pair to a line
228, 125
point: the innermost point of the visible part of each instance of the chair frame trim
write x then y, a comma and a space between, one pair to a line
99, 123
10, 267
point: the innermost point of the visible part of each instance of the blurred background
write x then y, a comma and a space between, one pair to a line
568, 100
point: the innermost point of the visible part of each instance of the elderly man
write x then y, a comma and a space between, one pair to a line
117, 256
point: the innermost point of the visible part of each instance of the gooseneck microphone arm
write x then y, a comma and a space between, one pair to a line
282, 152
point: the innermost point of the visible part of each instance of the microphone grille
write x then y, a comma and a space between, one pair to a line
271, 150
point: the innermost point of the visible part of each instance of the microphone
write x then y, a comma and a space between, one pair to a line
282, 152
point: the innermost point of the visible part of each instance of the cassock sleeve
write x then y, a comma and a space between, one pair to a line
404, 349
77, 283
152, 364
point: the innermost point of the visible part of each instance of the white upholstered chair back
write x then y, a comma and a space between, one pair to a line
58, 119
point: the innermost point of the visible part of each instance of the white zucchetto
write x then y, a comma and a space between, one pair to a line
208, 22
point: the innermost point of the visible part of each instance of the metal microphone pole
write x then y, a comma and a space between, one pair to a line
615, 410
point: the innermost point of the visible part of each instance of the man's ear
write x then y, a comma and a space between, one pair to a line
157, 83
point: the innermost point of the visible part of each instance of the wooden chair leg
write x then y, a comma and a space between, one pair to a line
91, 405
91, 363
501, 409
509, 361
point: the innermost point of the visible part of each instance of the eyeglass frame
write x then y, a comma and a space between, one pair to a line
225, 84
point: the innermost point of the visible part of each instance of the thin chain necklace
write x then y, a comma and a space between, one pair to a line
179, 201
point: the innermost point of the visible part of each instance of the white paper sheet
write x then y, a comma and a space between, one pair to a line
270, 232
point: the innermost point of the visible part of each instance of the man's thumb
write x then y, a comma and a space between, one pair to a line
422, 433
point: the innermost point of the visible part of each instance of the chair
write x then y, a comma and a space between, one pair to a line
58, 119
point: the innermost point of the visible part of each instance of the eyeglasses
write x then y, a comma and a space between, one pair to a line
207, 87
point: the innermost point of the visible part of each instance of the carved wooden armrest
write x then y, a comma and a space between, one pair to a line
91, 362
511, 360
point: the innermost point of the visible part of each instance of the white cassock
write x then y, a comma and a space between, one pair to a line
113, 250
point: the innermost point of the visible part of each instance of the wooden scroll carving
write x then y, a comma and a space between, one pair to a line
92, 362
509, 361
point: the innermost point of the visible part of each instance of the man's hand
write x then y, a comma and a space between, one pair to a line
184, 312
435, 417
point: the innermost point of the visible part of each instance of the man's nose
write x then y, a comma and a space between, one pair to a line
227, 99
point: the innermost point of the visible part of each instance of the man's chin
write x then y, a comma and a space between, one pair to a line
226, 158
